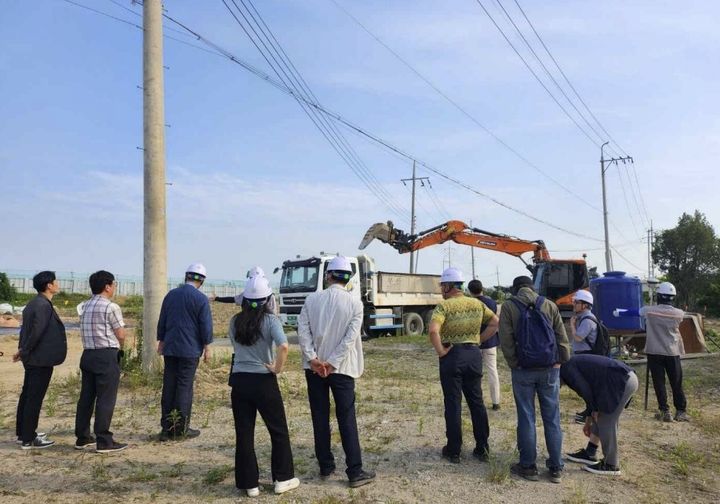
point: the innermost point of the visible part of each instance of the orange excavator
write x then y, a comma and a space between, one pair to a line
556, 279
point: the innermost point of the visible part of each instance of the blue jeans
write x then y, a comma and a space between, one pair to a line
546, 384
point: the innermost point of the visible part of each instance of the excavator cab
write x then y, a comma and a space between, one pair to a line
559, 280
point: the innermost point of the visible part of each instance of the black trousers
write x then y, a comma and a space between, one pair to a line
343, 391
588, 410
659, 365
254, 393
100, 381
177, 393
460, 374
35, 385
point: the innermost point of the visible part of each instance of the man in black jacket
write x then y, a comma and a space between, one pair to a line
606, 386
42, 345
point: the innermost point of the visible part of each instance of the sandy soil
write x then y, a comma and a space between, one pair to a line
401, 430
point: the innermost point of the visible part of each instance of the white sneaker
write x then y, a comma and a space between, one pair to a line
285, 486
253, 492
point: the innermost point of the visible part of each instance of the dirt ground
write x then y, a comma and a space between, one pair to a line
399, 405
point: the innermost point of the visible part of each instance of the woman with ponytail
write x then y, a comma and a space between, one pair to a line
253, 332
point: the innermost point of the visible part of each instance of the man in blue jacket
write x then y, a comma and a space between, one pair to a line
42, 345
606, 386
184, 334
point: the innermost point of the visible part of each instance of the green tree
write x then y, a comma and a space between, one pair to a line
7, 291
689, 256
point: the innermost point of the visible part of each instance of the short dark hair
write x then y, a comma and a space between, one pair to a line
99, 280
520, 282
42, 279
475, 287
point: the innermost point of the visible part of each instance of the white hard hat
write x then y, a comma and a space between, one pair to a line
339, 263
666, 289
584, 296
452, 275
255, 271
197, 268
257, 287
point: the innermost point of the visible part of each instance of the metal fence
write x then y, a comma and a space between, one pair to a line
77, 283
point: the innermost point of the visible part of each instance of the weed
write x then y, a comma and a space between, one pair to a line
100, 472
683, 456
141, 474
578, 495
499, 467
217, 474
175, 471
421, 424
51, 401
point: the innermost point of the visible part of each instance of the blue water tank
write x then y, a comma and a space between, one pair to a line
617, 290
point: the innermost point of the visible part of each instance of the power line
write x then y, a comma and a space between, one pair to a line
282, 87
537, 78
545, 69
291, 78
464, 111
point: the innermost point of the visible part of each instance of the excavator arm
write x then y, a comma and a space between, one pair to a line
456, 231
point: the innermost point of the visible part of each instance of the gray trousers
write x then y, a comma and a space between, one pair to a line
607, 425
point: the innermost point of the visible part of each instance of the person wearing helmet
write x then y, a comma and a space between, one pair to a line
455, 334
489, 347
533, 379
252, 272
583, 333
663, 347
184, 334
253, 378
329, 337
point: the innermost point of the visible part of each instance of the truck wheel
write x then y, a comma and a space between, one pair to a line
413, 324
427, 317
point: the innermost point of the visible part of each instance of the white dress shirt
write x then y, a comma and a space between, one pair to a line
329, 329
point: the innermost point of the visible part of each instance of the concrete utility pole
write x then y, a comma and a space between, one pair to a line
651, 263
603, 169
412, 210
154, 225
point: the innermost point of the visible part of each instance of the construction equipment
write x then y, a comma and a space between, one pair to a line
556, 279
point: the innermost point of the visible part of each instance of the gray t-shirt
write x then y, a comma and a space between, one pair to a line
587, 330
252, 359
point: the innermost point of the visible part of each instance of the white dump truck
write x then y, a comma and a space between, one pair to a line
393, 301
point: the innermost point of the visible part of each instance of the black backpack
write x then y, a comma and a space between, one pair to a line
601, 345
535, 341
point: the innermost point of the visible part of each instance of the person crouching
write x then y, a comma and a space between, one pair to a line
606, 385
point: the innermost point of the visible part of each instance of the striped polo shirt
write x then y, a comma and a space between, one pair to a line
99, 319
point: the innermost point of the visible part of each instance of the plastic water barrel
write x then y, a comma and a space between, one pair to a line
617, 290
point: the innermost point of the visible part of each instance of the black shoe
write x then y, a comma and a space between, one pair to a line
582, 456
481, 455
165, 436
495, 407
529, 473
453, 458
191, 433
115, 447
603, 469
555, 475
37, 444
361, 479
83, 443
580, 418
326, 473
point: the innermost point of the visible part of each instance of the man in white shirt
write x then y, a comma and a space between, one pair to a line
329, 336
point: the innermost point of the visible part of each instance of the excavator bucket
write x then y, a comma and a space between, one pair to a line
380, 230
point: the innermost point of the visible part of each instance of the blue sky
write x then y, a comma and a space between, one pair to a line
253, 182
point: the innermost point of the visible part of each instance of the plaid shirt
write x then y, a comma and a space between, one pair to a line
99, 319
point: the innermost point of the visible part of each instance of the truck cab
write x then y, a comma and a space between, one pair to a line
301, 277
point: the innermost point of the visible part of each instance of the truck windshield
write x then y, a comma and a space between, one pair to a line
299, 278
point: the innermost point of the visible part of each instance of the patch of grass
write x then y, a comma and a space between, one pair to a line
175, 471
578, 495
683, 457
51, 401
142, 473
100, 472
217, 474
499, 467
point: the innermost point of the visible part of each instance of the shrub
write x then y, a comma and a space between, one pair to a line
8, 293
